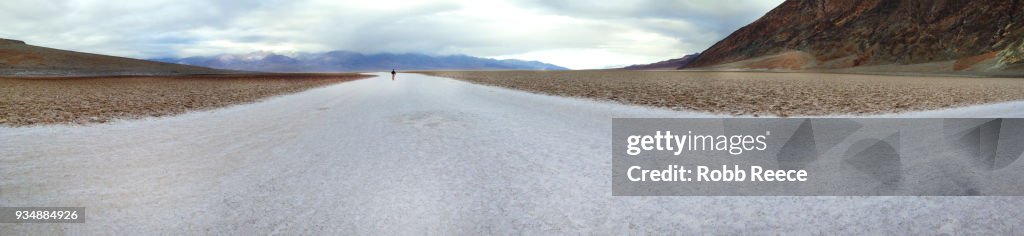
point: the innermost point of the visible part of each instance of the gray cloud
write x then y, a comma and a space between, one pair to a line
579, 34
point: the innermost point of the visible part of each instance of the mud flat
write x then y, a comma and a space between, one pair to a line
759, 93
28, 101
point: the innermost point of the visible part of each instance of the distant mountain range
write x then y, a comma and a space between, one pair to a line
20, 59
339, 61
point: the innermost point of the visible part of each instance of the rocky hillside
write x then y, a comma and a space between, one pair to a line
20, 59
670, 64
911, 35
339, 61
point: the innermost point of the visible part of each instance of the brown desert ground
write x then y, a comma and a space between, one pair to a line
28, 101
758, 93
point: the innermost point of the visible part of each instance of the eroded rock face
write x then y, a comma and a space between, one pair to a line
850, 33
1012, 55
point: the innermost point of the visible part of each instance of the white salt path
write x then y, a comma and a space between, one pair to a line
418, 155
1013, 109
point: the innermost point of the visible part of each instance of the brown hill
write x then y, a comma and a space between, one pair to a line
878, 35
20, 59
670, 64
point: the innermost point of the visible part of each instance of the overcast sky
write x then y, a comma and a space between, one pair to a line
578, 34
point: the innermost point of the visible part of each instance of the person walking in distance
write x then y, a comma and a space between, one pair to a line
393, 74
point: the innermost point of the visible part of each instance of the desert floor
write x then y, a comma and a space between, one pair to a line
758, 93
416, 155
27, 101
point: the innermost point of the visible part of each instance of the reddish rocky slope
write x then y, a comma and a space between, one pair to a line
670, 64
940, 35
20, 59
